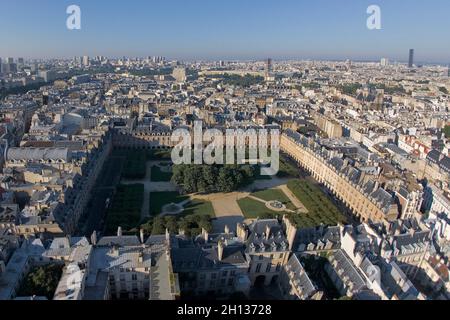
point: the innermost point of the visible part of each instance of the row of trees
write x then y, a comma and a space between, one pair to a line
135, 166
192, 224
241, 81
125, 209
209, 179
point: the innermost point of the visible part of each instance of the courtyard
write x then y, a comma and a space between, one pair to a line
136, 188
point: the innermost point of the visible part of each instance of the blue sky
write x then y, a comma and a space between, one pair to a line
228, 29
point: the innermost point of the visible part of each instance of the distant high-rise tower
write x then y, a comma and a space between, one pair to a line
384, 62
269, 67
86, 61
448, 71
411, 58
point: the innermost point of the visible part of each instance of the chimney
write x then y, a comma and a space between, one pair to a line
167, 234
267, 233
227, 229
141, 235
242, 232
115, 251
94, 238
119, 231
291, 231
220, 248
205, 235
141, 257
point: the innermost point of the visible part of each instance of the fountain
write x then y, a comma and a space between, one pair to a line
172, 209
276, 205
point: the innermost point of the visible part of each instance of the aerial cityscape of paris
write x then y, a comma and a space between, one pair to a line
201, 151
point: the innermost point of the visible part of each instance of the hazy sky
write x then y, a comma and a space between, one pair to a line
228, 29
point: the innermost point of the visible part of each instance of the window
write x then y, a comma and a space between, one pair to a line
224, 274
261, 257
269, 266
278, 267
258, 267
213, 276
134, 277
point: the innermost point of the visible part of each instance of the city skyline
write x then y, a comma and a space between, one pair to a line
238, 153
206, 31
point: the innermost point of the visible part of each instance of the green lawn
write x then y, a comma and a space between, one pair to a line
321, 209
195, 207
275, 194
160, 199
287, 168
135, 166
160, 176
125, 208
253, 209
199, 207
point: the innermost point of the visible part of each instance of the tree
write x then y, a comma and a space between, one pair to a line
443, 90
42, 281
170, 223
209, 177
158, 226
447, 131
225, 181
178, 174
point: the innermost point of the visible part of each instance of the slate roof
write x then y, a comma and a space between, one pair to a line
434, 156
299, 277
266, 235
123, 241
198, 258
37, 154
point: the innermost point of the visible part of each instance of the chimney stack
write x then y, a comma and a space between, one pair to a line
291, 231
115, 251
205, 235
242, 232
94, 238
267, 232
141, 235
220, 248
167, 234
119, 231
227, 229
